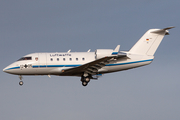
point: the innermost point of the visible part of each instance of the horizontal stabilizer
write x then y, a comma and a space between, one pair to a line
163, 30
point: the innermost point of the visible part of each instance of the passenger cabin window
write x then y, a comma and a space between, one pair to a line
36, 58
70, 59
83, 58
64, 59
25, 58
76, 59
51, 59
57, 59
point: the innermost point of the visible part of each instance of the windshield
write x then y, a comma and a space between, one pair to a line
25, 58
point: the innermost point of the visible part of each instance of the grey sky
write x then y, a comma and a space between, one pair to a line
150, 92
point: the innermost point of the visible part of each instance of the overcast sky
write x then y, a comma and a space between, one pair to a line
146, 93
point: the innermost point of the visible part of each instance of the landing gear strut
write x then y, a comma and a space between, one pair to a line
21, 82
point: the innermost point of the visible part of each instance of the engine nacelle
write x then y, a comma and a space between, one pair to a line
99, 53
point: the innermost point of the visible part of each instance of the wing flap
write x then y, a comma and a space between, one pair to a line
91, 67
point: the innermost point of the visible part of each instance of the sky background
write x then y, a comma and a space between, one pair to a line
146, 93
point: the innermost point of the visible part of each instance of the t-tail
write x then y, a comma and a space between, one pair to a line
149, 42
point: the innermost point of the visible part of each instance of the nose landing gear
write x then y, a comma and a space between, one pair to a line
20, 82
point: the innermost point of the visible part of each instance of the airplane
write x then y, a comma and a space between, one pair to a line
90, 65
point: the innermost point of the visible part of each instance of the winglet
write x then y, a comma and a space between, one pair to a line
116, 50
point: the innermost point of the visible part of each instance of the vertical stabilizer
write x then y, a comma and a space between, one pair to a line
149, 42
116, 50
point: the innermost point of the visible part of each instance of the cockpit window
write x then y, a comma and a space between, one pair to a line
25, 58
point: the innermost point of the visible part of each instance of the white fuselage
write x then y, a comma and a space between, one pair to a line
90, 64
54, 63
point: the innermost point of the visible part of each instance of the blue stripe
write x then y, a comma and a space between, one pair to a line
129, 62
43, 66
72, 65
62, 65
13, 68
114, 53
35, 66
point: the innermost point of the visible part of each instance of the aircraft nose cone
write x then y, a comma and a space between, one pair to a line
5, 69
12, 68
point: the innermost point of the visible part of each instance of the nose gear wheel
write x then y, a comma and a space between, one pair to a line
21, 83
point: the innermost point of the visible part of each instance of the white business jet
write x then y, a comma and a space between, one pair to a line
89, 65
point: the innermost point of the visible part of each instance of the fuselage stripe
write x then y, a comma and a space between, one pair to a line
128, 62
44, 66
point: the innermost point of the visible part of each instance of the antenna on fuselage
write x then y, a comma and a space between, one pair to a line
89, 50
49, 76
69, 51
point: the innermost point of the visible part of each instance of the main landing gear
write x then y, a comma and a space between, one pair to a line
20, 82
85, 79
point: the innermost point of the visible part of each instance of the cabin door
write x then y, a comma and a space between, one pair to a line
42, 60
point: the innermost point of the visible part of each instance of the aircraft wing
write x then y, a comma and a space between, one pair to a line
90, 68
